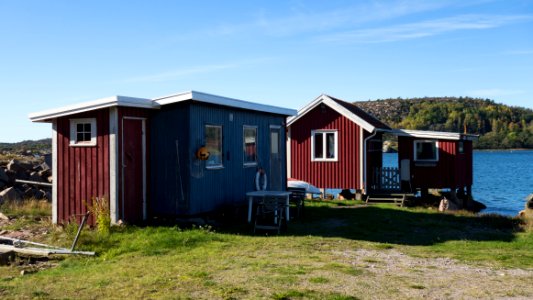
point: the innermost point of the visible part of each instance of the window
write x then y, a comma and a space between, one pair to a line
426, 151
83, 132
324, 145
461, 147
250, 145
213, 143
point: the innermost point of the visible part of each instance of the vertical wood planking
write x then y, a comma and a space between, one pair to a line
340, 174
81, 171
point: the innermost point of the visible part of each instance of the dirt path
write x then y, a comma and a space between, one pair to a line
394, 273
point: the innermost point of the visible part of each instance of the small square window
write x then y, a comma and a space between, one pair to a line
83, 132
426, 151
324, 145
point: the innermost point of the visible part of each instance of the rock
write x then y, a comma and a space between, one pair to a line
39, 194
3, 176
45, 174
3, 217
18, 167
529, 203
34, 176
10, 194
347, 194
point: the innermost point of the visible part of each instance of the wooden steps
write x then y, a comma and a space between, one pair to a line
393, 198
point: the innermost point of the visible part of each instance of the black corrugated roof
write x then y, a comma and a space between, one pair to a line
361, 113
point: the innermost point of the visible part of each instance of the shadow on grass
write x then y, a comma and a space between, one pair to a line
393, 225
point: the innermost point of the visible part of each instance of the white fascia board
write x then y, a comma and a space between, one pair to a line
425, 134
225, 101
335, 106
47, 115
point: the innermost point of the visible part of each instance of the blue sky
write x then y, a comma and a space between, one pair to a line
284, 53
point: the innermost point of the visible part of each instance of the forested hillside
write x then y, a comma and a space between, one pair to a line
499, 126
43, 145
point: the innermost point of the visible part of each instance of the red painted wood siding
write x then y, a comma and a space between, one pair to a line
136, 113
83, 172
345, 173
453, 170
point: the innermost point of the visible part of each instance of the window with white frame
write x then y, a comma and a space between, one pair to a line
213, 143
250, 145
83, 132
324, 145
426, 150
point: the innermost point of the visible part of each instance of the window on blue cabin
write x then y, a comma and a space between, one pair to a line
250, 145
324, 145
213, 143
426, 151
83, 132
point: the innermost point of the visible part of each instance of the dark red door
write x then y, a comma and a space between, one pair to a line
133, 165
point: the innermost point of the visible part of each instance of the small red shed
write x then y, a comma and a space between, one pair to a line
334, 144
432, 159
99, 149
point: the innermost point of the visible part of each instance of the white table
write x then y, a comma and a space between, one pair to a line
262, 194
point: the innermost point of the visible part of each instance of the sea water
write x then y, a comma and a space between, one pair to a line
502, 179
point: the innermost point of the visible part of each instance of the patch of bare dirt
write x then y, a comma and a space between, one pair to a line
438, 278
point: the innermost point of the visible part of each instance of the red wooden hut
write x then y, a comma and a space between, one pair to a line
335, 144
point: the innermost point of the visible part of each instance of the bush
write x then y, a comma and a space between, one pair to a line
100, 210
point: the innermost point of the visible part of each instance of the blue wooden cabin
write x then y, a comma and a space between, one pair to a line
142, 154
240, 136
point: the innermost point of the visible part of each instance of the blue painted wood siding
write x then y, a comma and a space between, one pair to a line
169, 192
205, 190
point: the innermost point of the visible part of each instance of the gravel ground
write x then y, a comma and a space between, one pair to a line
392, 272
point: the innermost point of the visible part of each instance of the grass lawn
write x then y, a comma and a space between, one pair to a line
336, 251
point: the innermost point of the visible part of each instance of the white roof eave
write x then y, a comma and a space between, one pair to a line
425, 134
48, 115
224, 101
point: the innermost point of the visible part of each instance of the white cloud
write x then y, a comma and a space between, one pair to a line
194, 70
423, 29
175, 74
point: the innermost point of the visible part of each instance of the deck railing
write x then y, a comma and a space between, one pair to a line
386, 178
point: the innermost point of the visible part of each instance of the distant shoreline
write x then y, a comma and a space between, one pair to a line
508, 150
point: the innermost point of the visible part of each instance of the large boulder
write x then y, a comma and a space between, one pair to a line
529, 201
10, 194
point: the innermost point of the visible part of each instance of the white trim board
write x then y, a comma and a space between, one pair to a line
54, 173
113, 165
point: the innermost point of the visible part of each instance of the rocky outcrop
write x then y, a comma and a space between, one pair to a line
37, 172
